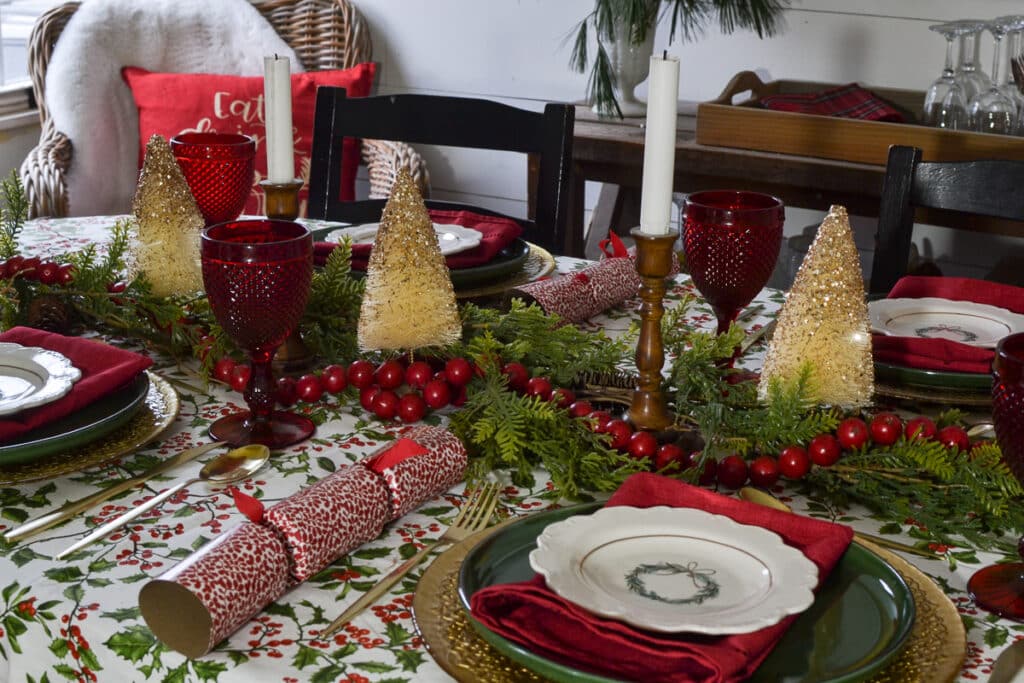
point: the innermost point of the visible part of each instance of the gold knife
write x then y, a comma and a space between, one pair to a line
73, 507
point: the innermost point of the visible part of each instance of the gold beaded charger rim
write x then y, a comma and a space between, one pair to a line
934, 652
158, 412
539, 262
933, 395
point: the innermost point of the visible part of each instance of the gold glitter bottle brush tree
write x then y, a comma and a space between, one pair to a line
824, 323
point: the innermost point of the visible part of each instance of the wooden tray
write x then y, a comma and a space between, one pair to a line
726, 123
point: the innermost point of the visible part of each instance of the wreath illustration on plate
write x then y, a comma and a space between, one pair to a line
707, 587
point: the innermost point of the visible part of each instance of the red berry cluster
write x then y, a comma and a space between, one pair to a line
795, 461
389, 390
34, 268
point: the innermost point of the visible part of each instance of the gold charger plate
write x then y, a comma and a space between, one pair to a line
934, 652
160, 408
539, 263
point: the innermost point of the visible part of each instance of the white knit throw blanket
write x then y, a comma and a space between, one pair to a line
92, 105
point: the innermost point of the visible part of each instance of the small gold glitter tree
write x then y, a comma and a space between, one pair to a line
409, 301
824, 322
166, 248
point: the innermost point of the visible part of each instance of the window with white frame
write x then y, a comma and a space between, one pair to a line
16, 20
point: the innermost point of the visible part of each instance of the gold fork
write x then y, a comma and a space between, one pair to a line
473, 517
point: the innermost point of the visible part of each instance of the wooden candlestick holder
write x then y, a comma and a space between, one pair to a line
648, 409
282, 199
282, 202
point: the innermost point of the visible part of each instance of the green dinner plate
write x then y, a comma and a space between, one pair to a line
899, 375
859, 621
88, 424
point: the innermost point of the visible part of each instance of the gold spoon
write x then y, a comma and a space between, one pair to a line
760, 497
225, 468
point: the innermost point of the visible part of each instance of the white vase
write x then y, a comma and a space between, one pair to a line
631, 64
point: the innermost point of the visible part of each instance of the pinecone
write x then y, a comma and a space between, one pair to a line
50, 313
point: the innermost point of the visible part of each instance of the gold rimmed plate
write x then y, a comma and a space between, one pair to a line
156, 410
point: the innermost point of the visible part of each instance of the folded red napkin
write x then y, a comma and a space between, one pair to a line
497, 233
554, 628
943, 354
846, 101
105, 369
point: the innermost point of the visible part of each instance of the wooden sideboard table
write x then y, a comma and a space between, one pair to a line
611, 152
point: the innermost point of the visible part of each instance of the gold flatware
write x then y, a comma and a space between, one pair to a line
73, 507
754, 336
225, 468
760, 497
474, 516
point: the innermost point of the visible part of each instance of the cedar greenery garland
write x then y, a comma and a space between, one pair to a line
688, 19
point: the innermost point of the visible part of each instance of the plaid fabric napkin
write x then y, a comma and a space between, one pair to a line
944, 354
846, 101
546, 624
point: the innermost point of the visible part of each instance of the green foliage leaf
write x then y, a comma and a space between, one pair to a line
132, 643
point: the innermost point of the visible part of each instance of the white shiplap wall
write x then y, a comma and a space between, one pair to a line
516, 51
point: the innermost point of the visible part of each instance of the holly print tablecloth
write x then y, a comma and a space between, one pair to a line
78, 619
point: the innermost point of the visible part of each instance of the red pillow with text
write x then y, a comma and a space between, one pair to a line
174, 103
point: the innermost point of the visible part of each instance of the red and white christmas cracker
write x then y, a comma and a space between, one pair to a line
222, 586
581, 295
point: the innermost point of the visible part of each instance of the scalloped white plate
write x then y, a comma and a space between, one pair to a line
932, 318
31, 377
675, 569
451, 238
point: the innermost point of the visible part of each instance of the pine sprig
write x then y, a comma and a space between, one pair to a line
332, 312
13, 214
540, 341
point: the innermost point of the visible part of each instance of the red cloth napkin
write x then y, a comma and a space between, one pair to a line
846, 101
943, 354
554, 628
497, 232
105, 369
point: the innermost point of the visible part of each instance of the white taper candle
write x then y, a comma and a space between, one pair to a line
659, 145
277, 116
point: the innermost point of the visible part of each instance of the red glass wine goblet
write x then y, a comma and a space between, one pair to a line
257, 275
731, 239
218, 168
999, 588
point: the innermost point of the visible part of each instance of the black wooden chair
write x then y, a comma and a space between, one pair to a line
990, 187
449, 121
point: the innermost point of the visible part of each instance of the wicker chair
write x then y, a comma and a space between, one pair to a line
326, 34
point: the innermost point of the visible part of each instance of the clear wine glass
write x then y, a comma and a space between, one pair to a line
944, 104
968, 71
991, 111
257, 275
731, 239
1014, 26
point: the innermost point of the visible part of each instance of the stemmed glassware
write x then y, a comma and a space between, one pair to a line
944, 103
991, 111
1014, 26
731, 239
218, 168
257, 275
999, 588
968, 72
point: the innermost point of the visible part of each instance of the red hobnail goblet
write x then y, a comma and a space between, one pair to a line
999, 588
218, 168
731, 239
257, 275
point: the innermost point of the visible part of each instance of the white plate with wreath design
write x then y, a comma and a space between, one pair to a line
934, 318
675, 570
450, 238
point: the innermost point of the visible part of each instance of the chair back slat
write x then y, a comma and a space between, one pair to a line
447, 121
988, 187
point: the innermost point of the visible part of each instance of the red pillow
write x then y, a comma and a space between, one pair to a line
173, 103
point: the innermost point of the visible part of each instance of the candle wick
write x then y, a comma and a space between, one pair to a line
664, 54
